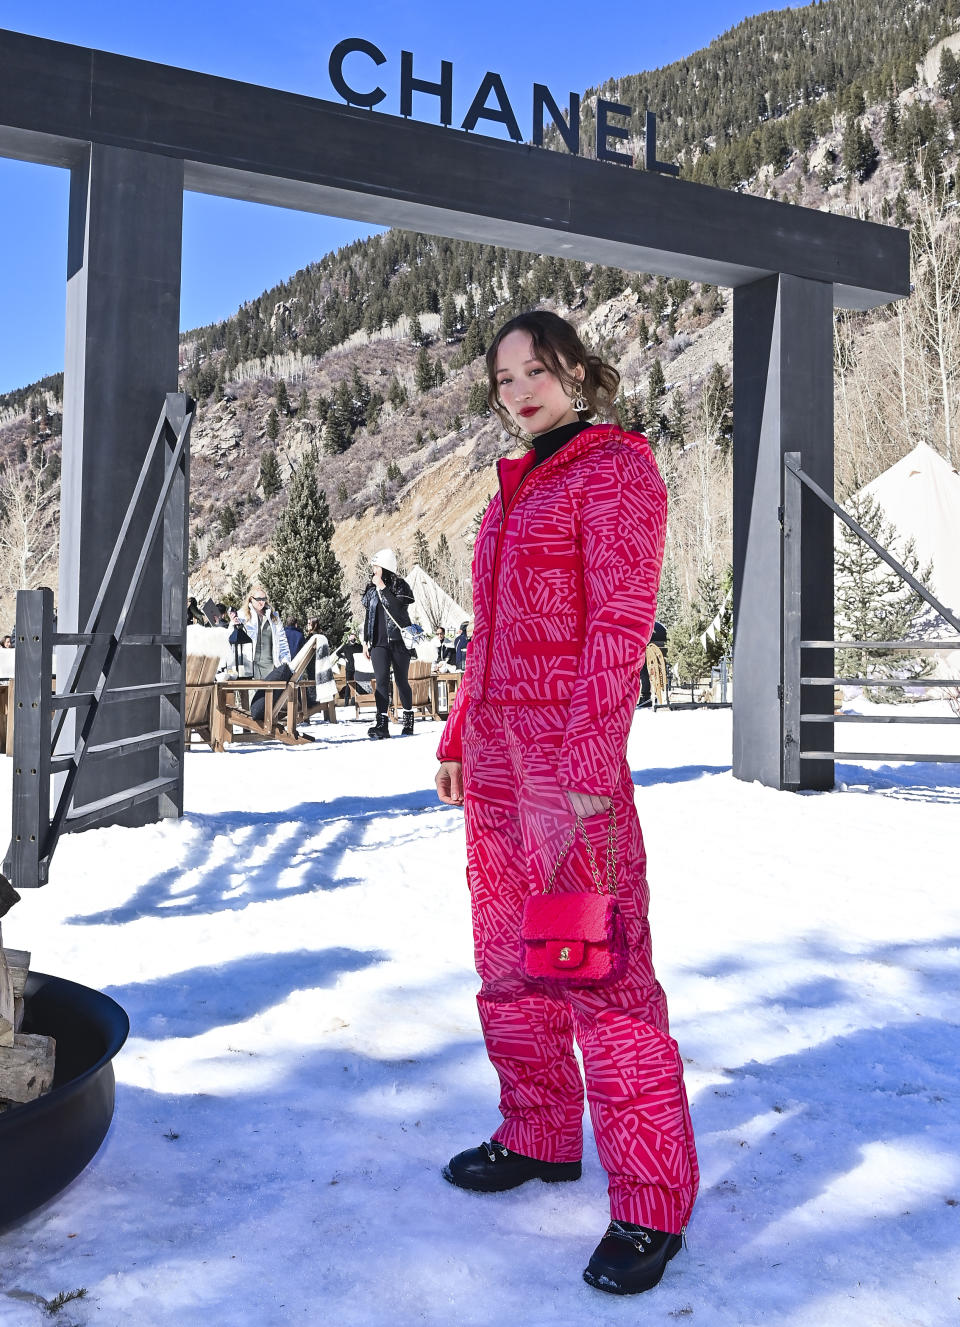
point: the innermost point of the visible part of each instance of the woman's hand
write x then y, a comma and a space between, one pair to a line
366, 651
449, 782
586, 804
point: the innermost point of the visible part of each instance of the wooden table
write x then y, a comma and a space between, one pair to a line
451, 681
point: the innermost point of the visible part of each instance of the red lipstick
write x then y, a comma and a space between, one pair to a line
529, 410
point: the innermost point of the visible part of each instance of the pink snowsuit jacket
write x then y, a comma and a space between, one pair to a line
565, 576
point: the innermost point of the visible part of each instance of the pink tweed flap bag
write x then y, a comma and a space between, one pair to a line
576, 938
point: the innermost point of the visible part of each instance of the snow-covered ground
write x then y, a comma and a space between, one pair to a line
295, 958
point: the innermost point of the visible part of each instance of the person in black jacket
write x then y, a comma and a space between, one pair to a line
445, 652
385, 603
460, 646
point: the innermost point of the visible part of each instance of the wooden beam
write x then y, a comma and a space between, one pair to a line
288, 150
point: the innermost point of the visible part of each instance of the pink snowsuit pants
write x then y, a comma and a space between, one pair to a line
516, 821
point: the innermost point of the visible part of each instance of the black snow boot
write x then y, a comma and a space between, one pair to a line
381, 728
630, 1258
407, 729
491, 1168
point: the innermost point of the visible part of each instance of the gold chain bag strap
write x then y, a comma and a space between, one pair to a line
577, 938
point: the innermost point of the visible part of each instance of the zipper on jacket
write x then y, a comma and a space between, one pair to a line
504, 513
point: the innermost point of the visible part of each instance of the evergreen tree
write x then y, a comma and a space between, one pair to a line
804, 129
336, 435
449, 319
948, 83
282, 399
948, 79
396, 393
687, 655
858, 153
630, 412
656, 387
678, 419
776, 149
273, 425
853, 100
668, 598
919, 128
421, 551
472, 344
270, 478
227, 520
423, 371
371, 415
478, 520
871, 602
416, 332
303, 405
713, 604
477, 400
443, 569
439, 373
301, 574
239, 586
891, 128
716, 416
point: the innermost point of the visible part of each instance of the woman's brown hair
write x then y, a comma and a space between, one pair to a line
557, 344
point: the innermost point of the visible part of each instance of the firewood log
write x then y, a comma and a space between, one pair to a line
6, 1002
18, 964
26, 1067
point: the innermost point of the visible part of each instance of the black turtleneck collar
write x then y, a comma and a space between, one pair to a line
546, 444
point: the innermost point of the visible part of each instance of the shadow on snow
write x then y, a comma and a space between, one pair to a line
243, 856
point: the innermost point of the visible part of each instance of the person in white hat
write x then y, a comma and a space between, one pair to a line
385, 602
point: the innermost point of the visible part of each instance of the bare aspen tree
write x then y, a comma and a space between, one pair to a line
28, 547
936, 295
898, 373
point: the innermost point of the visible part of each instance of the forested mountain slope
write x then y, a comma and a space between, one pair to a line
373, 354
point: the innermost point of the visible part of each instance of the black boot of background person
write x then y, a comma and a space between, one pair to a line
407, 729
381, 728
630, 1259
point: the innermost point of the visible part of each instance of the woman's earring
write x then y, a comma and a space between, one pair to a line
579, 401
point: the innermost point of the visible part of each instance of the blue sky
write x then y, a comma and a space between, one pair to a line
233, 251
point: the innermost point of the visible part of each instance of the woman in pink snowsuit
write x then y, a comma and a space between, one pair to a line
565, 575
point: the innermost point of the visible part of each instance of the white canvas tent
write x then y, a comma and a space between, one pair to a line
920, 496
433, 606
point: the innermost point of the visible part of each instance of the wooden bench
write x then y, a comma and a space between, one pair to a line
421, 688
286, 704
200, 712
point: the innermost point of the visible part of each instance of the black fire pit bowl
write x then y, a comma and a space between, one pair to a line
46, 1143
